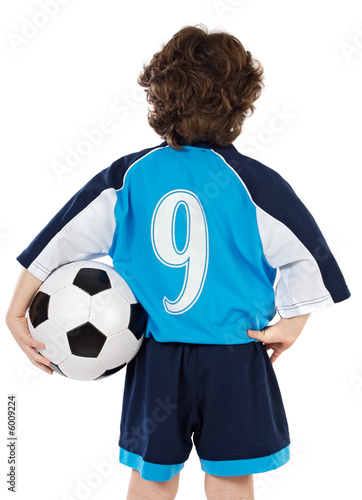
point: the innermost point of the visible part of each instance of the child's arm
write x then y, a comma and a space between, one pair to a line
281, 335
25, 289
83, 229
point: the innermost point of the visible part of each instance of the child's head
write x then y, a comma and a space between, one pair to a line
202, 87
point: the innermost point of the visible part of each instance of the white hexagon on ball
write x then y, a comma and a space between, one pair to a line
109, 312
75, 302
59, 278
55, 340
119, 349
80, 368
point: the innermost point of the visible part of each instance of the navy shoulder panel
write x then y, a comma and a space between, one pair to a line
110, 177
275, 196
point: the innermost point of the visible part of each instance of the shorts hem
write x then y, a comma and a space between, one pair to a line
148, 470
246, 466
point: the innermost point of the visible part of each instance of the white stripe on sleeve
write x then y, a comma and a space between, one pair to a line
88, 235
300, 289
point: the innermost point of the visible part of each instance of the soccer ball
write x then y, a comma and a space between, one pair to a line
88, 319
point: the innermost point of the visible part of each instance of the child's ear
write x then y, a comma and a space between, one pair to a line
154, 107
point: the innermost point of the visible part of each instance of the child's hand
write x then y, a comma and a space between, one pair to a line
281, 335
19, 329
24, 292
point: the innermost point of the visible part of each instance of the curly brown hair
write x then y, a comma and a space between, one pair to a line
202, 87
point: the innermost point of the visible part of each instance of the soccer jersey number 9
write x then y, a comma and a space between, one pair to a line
194, 255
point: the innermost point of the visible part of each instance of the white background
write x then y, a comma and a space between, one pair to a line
64, 73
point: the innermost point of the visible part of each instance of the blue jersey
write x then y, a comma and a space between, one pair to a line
211, 242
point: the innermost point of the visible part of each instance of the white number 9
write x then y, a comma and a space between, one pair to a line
195, 254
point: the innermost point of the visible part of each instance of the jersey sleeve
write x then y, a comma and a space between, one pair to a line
83, 229
310, 278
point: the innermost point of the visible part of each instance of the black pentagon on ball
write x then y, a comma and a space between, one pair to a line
38, 311
86, 341
138, 319
110, 372
92, 280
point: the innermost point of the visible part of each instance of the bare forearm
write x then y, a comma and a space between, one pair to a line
294, 325
25, 289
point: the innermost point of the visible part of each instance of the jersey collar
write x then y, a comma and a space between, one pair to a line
204, 145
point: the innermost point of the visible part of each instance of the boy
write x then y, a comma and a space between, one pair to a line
199, 231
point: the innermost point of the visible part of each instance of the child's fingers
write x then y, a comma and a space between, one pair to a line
277, 351
41, 359
23, 336
29, 340
256, 335
34, 343
28, 344
274, 356
35, 357
43, 367
265, 335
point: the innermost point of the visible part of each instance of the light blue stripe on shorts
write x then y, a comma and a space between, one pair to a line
246, 466
148, 470
158, 472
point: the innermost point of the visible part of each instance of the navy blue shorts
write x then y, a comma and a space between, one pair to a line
223, 398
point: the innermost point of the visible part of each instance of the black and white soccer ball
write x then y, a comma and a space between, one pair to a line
88, 319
